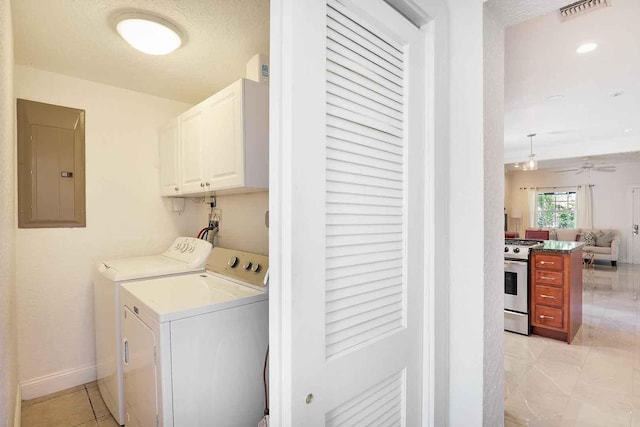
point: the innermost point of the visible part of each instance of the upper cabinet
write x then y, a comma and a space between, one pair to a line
221, 144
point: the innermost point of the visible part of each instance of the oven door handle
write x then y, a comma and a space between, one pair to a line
515, 262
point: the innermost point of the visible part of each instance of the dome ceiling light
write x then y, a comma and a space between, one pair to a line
149, 34
587, 47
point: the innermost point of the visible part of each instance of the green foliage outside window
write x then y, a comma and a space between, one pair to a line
557, 210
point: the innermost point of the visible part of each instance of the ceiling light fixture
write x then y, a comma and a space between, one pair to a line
587, 47
149, 34
532, 163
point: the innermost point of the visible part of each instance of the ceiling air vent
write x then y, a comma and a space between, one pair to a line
581, 7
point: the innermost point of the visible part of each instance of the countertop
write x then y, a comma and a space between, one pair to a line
559, 246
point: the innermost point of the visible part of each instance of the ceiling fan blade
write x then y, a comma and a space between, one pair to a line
580, 171
605, 169
567, 170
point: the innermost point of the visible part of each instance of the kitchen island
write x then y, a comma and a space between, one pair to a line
556, 289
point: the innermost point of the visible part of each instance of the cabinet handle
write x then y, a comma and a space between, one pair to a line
547, 262
542, 316
547, 296
546, 278
202, 184
207, 184
176, 188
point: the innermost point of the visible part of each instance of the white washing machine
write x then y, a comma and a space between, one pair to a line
194, 345
185, 255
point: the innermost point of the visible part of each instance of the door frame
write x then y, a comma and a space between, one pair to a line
629, 245
433, 18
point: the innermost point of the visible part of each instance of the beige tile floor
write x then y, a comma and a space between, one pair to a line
595, 381
80, 406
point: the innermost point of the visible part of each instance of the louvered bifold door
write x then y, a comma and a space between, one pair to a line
374, 228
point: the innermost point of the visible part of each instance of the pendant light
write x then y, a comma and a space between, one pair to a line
532, 163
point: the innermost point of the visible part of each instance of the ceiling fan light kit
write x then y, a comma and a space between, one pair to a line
589, 166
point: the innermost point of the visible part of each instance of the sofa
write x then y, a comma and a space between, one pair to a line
603, 250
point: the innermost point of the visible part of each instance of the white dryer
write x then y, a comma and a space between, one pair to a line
194, 345
185, 255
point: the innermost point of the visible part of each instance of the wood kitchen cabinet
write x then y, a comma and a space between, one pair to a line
221, 144
556, 292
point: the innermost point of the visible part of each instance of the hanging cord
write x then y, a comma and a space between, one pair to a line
264, 380
199, 236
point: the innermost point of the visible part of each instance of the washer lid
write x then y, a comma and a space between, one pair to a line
172, 298
119, 270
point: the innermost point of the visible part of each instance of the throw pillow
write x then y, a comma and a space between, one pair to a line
588, 238
605, 239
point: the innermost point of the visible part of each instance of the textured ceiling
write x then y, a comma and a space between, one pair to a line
540, 62
78, 38
511, 12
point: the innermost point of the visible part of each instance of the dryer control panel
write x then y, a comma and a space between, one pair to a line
244, 266
194, 252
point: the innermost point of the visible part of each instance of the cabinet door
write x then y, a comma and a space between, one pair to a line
169, 159
139, 372
224, 138
191, 153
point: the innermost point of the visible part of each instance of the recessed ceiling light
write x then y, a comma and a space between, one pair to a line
149, 34
587, 47
627, 130
555, 97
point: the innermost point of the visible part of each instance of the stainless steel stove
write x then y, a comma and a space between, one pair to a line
516, 284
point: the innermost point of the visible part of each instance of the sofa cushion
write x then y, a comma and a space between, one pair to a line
589, 238
567, 234
604, 239
597, 250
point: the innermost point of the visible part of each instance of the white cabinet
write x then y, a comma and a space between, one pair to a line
223, 144
169, 159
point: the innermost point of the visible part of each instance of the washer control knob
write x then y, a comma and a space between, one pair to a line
506, 249
516, 250
233, 261
256, 267
247, 266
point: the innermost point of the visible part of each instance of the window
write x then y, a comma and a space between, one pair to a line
557, 209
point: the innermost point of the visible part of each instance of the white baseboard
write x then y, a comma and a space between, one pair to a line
17, 417
57, 381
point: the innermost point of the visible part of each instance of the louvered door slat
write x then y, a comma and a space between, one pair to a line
365, 178
364, 108
347, 413
338, 12
363, 48
338, 81
355, 53
346, 66
342, 70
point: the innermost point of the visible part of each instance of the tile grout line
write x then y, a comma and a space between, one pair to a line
93, 411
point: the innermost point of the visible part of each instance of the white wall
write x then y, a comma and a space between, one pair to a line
242, 225
611, 195
125, 217
8, 340
493, 218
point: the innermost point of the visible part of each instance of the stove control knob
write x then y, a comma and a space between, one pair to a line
516, 250
247, 266
233, 261
506, 249
256, 267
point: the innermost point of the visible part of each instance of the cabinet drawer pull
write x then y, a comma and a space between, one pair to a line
542, 316
202, 184
547, 262
176, 188
546, 278
207, 184
547, 296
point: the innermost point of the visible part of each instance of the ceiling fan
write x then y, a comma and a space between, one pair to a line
589, 166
